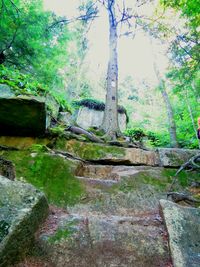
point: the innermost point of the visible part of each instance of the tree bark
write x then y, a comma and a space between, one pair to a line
165, 96
170, 113
110, 123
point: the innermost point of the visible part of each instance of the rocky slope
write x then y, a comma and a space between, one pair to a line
105, 200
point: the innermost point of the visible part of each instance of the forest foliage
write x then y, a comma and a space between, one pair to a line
39, 55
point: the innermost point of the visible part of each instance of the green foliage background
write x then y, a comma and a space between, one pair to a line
42, 56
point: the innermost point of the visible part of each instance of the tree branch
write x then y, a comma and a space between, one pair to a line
8, 46
90, 14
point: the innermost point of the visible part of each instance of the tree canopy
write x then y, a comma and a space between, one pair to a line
39, 48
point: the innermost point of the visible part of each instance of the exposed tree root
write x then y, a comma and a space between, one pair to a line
78, 130
177, 197
191, 164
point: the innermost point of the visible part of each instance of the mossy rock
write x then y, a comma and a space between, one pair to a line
19, 142
90, 151
25, 113
52, 174
22, 209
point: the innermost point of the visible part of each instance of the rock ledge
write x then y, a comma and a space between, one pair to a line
183, 226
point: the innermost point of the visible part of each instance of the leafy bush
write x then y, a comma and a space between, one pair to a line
24, 84
160, 139
191, 143
90, 103
64, 104
152, 138
96, 104
136, 134
21, 83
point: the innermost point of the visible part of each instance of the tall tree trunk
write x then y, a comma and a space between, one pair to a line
165, 96
170, 113
110, 120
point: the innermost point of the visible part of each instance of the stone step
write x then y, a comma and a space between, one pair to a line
99, 240
110, 172
146, 218
92, 181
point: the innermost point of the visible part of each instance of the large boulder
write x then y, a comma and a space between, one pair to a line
87, 118
22, 209
23, 116
20, 142
183, 226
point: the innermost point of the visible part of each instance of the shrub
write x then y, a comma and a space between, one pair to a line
136, 134
24, 84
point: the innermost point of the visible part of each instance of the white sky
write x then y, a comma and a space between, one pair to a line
135, 55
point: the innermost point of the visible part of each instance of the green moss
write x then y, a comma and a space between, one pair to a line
94, 151
38, 148
131, 184
60, 234
184, 178
96, 131
64, 233
52, 174
58, 130
160, 179
89, 151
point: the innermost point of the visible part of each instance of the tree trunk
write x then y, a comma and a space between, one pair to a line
110, 120
170, 115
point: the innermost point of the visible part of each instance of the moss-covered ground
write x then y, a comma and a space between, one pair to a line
89, 151
50, 173
140, 191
